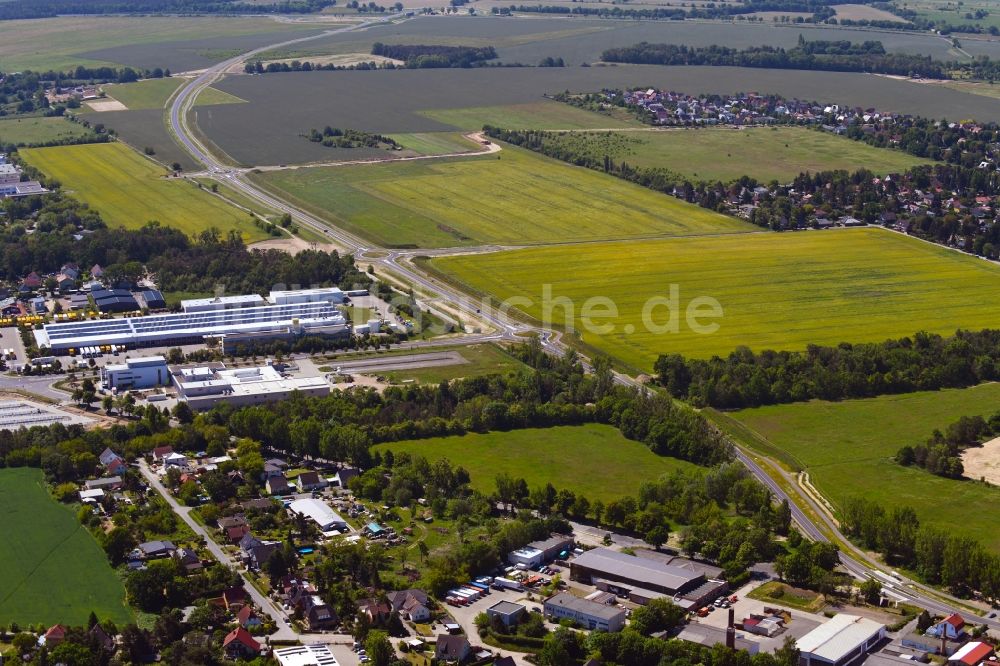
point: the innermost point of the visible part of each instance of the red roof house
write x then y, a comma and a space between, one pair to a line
55, 635
240, 644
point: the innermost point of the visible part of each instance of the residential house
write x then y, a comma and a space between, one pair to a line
161, 452
96, 272
952, 628
233, 598
239, 644
153, 550
316, 613
344, 475
309, 481
248, 618
65, 282
188, 559
452, 648
101, 637
112, 462
236, 534
54, 636
277, 485
178, 460
376, 611
411, 604
31, 282
237, 520
259, 504
256, 552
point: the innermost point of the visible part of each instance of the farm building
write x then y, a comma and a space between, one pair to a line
589, 614
320, 512
246, 325
541, 552
136, 373
642, 579
841, 640
205, 386
331, 295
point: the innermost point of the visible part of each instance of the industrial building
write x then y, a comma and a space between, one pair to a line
588, 614
331, 295
542, 552
217, 303
507, 612
709, 636
204, 386
152, 299
114, 300
840, 641
641, 579
11, 184
136, 373
320, 512
239, 326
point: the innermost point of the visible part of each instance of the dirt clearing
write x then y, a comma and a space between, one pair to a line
106, 105
983, 462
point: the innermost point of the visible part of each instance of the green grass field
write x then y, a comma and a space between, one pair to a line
847, 448
771, 153
547, 114
27, 131
483, 359
435, 143
129, 190
154, 93
520, 198
777, 291
53, 570
594, 460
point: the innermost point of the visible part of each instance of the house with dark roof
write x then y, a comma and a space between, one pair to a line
377, 612
256, 552
248, 618
153, 550
344, 475
101, 637
161, 452
237, 520
233, 598
188, 559
309, 481
278, 485
239, 644
452, 648
412, 604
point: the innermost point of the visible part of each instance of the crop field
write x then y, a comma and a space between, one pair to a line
774, 153
54, 571
847, 448
59, 43
289, 104
776, 291
129, 190
519, 198
546, 114
145, 128
593, 460
154, 93
435, 143
27, 131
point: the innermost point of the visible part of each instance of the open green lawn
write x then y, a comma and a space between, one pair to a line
546, 114
765, 153
130, 190
847, 448
777, 291
154, 93
593, 460
28, 131
482, 359
513, 197
435, 143
53, 570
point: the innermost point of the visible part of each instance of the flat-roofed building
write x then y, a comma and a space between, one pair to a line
320, 512
507, 612
243, 325
588, 614
331, 295
222, 303
842, 640
204, 386
709, 636
306, 655
541, 552
136, 373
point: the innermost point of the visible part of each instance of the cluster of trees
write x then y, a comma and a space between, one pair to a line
959, 563
808, 563
941, 454
334, 137
925, 362
856, 60
422, 56
820, 10
32, 9
554, 392
840, 47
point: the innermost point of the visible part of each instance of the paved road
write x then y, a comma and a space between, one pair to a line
504, 326
37, 385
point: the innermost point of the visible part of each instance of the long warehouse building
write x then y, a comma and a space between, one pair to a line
234, 326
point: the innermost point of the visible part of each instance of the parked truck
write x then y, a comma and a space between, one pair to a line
506, 584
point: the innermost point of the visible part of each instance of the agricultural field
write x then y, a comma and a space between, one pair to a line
593, 460
847, 448
28, 131
435, 143
130, 190
54, 571
773, 153
289, 104
863, 13
65, 42
544, 115
154, 93
520, 198
776, 291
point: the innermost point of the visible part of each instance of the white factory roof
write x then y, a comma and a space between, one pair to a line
839, 637
238, 301
9, 169
141, 362
306, 655
316, 509
244, 381
636, 568
160, 329
291, 293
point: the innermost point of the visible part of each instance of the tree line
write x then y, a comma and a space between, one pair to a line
923, 362
959, 563
34, 9
424, 56
942, 453
856, 59
334, 137
819, 9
